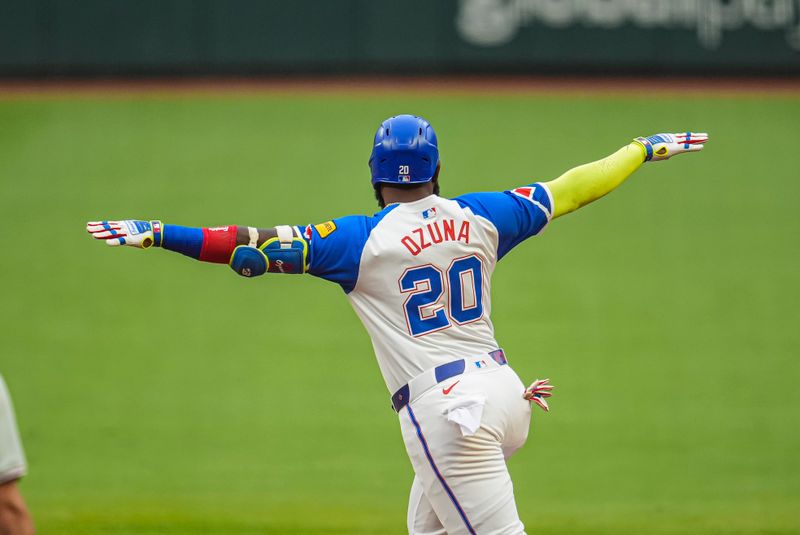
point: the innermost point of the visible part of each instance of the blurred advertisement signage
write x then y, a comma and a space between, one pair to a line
275, 36
494, 23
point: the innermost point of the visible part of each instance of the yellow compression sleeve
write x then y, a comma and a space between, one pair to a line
586, 183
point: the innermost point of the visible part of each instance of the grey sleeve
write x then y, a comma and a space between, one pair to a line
12, 457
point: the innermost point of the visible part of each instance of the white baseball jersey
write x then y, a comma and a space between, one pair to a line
418, 274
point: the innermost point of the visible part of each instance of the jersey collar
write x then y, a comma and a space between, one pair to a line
416, 203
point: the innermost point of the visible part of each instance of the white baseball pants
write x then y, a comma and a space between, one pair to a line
12, 458
458, 436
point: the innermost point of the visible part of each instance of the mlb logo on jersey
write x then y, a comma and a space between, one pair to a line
430, 213
480, 363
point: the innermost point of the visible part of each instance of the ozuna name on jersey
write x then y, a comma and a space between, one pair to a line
433, 233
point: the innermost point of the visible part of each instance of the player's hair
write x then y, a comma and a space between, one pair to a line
379, 185
379, 195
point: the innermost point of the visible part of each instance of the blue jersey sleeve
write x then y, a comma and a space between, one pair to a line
517, 214
335, 247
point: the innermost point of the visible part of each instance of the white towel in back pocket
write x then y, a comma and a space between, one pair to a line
467, 413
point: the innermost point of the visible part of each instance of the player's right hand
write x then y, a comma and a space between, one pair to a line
131, 232
538, 391
664, 146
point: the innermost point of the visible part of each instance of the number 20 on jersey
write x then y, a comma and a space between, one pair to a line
424, 308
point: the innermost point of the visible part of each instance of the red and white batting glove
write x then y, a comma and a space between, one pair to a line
664, 146
131, 232
538, 391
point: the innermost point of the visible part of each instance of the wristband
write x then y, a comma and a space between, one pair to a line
158, 232
648, 147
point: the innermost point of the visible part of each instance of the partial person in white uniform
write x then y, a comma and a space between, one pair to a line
418, 275
14, 516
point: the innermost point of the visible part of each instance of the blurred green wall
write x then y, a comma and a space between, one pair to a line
41, 37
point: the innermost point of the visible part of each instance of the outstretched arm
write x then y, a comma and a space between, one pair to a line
143, 234
586, 183
249, 251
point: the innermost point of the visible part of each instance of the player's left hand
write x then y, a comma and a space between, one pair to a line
538, 391
664, 146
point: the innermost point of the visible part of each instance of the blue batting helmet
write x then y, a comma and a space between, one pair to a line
405, 151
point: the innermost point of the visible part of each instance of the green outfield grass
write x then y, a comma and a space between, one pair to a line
160, 395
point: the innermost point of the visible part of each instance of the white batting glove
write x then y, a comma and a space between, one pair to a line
131, 232
664, 146
538, 391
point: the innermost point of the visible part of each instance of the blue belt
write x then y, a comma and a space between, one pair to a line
442, 373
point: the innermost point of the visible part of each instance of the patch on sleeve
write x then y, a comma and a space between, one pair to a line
529, 193
525, 192
325, 229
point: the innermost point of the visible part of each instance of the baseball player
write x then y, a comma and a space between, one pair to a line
14, 516
418, 275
